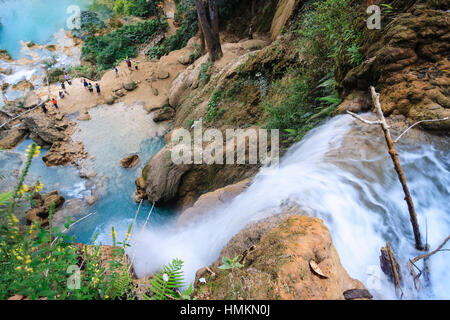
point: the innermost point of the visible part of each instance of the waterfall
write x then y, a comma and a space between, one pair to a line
340, 172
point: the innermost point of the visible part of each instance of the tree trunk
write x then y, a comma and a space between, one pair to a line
212, 39
214, 16
202, 36
401, 176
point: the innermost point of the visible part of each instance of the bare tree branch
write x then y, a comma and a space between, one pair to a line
354, 115
418, 122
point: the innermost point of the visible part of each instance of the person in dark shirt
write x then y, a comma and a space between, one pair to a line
97, 87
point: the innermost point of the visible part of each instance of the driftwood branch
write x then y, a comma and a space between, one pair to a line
391, 268
398, 168
354, 115
418, 122
412, 263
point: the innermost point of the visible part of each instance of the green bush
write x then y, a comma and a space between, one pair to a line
187, 13
119, 44
36, 262
213, 112
137, 8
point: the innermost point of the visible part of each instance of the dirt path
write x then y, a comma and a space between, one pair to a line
170, 9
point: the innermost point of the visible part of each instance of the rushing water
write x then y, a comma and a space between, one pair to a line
344, 176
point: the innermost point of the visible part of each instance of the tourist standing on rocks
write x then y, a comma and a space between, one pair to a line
128, 61
61, 95
63, 86
68, 79
116, 71
85, 84
136, 65
44, 108
55, 103
91, 89
250, 32
97, 87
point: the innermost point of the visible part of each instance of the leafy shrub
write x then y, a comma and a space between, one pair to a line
118, 44
138, 8
213, 112
35, 261
187, 13
205, 72
90, 24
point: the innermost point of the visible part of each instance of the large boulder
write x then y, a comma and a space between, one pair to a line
12, 138
162, 177
213, 199
31, 100
130, 161
408, 62
129, 85
62, 153
41, 207
283, 257
43, 130
164, 114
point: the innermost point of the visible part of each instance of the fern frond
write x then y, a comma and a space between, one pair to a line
165, 283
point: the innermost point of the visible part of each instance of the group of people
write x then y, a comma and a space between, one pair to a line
88, 86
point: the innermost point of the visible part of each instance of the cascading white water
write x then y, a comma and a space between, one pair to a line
340, 172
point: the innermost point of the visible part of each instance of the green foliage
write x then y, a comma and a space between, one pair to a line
327, 32
187, 14
213, 112
165, 283
89, 72
90, 24
118, 44
205, 72
230, 263
302, 107
38, 262
138, 8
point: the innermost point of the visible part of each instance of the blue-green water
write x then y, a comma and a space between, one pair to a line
32, 20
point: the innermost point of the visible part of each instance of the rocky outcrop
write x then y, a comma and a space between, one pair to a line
44, 130
285, 8
62, 153
162, 176
409, 65
294, 260
40, 207
130, 161
164, 114
12, 137
31, 100
209, 201
129, 85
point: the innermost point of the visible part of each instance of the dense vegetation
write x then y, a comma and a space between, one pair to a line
327, 39
119, 44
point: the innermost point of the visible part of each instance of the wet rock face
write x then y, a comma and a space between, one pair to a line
40, 211
409, 65
130, 161
285, 257
10, 138
44, 130
162, 177
164, 114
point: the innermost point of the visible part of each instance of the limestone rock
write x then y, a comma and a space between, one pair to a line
185, 60
40, 211
130, 161
356, 102
43, 130
12, 138
164, 114
162, 176
31, 100
277, 265
91, 200
129, 85
163, 75
211, 200
110, 99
